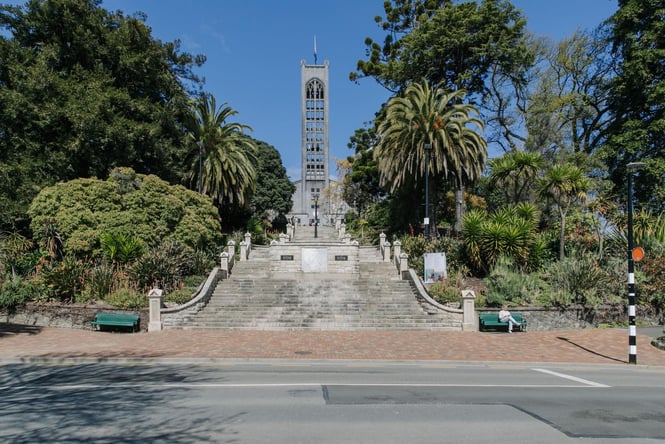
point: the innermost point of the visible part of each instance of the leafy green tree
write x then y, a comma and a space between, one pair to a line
566, 185
273, 188
637, 98
456, 45
84, 90
424, 115
567, 110
227, 172
359, 172
134, 205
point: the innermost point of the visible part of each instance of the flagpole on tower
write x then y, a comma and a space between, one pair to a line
315, 49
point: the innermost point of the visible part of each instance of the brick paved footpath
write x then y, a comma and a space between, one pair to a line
599, 346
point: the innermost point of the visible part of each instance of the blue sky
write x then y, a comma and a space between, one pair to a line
254, 49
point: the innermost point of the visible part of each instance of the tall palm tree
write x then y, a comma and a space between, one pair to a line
222, 157
437, 118
566, 184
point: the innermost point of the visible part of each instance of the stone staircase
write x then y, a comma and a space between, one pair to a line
372, 299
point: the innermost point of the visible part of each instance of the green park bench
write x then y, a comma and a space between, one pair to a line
490, 321
116, 320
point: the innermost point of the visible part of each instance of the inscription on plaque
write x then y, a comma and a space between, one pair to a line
342, 258
286, 257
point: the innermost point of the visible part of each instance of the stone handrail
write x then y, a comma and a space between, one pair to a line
200, 299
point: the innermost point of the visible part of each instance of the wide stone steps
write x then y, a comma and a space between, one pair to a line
372, 297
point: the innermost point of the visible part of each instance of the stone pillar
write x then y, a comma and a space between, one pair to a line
248, 241
231, 248
290, 230
347, 238
224, 264
386, 252
243, 250
283, 238
397, 249
342, 231
469, 307
155, 306
403, 264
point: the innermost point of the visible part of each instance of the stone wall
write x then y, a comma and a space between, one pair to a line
79, 316
65, 315
576, 318
289, 259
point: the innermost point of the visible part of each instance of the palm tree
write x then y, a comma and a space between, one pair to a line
433, 117
515, 173
222, 157
566, 185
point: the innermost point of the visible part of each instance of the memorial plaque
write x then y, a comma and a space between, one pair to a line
342, 258
286, 257
314, 260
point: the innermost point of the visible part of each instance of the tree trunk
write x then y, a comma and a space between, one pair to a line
459, 207
562, 236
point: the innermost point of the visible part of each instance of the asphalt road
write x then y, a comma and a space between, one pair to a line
291, 401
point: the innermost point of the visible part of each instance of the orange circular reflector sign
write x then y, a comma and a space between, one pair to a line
638, 254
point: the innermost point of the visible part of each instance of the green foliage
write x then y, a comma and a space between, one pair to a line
455, 44
86, 210
580, 279
188, 287
84, 90
636, 100
416, 247
15, 292
100, 281
651, 289
163, 267
449, 290
273, 187
120, 248
127, 298
506, 284
509, 231
13, 246
227, 172
64, 279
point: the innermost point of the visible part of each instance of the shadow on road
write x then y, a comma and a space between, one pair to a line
100, 403
588, 350
14, 329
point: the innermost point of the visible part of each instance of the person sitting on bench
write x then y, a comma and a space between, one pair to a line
505, 316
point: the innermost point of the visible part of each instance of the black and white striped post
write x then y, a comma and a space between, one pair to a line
632, 331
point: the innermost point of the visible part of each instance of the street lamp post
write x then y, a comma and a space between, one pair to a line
428, 148
632, 332
316, 215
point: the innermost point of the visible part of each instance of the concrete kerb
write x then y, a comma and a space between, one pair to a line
355, 363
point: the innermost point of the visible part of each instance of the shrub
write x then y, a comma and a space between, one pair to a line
449, 290
507, 285
127, 298
417, 246
143, 206
15, 292
163, 267
188, 287
99, 281
63, 279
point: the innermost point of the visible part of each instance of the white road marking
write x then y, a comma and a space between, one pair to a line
572, 378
